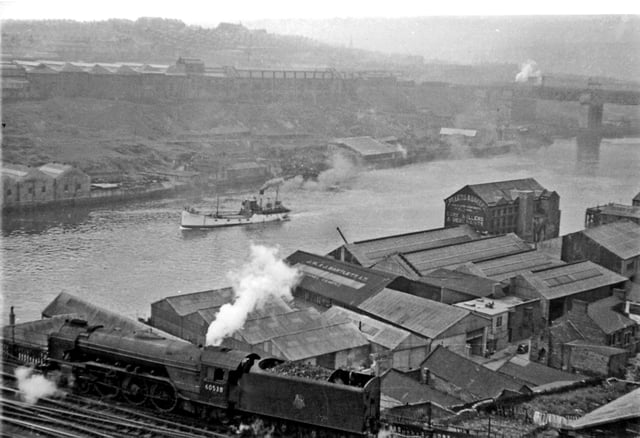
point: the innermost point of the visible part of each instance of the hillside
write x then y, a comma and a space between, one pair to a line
157, 40
584, 45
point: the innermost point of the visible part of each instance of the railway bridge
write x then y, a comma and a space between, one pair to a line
591, 95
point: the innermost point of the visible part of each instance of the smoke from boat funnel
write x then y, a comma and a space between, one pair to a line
275, 182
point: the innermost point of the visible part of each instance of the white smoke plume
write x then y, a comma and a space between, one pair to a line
33, 387
341, 170
529, 70
264, 277
402, 150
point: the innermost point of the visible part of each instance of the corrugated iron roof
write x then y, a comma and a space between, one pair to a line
185, 304
468, 375
606, 313
621, 210
275, 306
626, 407
65, 304
503, 268
535, 374
341, 282
565, 280
366, 146
491, 193
377, 332
320, 341
476, 250
621, 238
368, 252
420, 315
461, 282
406, 390
259, 330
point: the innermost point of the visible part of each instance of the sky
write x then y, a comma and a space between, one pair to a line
212, 12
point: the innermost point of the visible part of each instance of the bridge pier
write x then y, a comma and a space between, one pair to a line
591, 115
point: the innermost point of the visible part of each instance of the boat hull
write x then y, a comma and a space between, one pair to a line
191, 220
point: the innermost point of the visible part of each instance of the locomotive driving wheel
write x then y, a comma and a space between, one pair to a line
82, 384
107, 387
163, 397
135, 391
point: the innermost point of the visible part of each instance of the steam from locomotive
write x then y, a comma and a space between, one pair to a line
33, 387
264, 277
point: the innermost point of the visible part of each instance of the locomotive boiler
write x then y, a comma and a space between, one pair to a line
212, 381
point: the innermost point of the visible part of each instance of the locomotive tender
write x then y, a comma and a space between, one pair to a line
211, 381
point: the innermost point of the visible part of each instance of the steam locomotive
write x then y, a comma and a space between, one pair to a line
212, 382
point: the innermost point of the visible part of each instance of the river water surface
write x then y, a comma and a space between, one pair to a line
125, 257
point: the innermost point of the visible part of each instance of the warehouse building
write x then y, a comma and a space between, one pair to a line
369, 252
520, 206
275, 329
616, 246
503, 269
425, 261
605, 214
559, 286
442, 324
68, 181
391, 346
368, 151
449, 372
326, 281
25, 185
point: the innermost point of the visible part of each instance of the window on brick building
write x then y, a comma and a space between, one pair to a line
44, 189
30, 190
78, 186
499, 321
8, 192
66, 187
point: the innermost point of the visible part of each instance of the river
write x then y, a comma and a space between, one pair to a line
125, 257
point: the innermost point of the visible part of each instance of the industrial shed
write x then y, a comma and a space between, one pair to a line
68, 181
452, 256
369, 252
503, 269
368, 151
326, 281
454, 374
454, 286
616, 246
404, 396
612, 212
441, 324
391, 347
331, 346
25, 185
188, 316
560, 285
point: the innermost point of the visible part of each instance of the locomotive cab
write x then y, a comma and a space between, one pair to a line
221, 369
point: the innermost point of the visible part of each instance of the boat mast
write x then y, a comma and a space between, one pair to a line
218, 205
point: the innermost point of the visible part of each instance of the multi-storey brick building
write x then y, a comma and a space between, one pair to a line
520, 206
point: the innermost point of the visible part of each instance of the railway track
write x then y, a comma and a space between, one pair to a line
70, 416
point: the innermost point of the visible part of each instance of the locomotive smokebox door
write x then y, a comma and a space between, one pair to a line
214, 384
